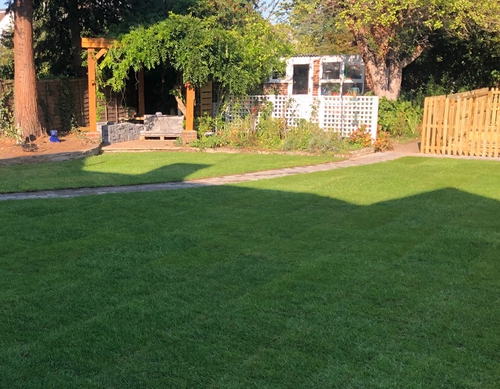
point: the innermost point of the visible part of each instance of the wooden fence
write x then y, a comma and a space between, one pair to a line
63, 104
462, 124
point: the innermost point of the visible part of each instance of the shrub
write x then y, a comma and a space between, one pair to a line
361, 137
401, 118
267, 133
7, 128
383, 142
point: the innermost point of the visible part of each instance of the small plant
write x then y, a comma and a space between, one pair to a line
383, 142
361, 137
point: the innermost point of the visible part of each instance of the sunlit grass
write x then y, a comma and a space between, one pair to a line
141, 168
382, 276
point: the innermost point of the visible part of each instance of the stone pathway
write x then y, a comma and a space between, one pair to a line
232, 179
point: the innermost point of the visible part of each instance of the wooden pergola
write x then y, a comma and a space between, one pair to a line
96, 49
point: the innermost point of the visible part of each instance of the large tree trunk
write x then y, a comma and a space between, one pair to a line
25, 94
384, 65
384, 81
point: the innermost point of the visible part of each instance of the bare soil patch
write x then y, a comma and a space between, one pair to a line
68, 143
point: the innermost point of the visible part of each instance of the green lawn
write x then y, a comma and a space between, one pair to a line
142, 168
381, 276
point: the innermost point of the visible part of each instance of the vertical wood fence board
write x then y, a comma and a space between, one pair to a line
445, 125
423, 145
440, 121
488, 139
485, 125
496, 121
480, 126
473, 127
432, 127
457, 139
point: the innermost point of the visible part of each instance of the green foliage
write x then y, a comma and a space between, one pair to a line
59, 24
454, 63
314, 28
200, 49
392, 34
7, 127
495, 76
65, 108
267, 133
400, 118
6, 62
228, 13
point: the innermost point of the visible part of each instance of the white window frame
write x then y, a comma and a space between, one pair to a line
289, 71
344, 60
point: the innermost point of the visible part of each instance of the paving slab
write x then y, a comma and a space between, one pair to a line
230, 179
224, 180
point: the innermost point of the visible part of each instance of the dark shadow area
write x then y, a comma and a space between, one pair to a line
240, 287
58, 176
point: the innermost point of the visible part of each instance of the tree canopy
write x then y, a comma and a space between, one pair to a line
58, 26
455, 63
391, 34
202, 49
313, 29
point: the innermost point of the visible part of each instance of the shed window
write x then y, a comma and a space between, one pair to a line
354, 72
331, 70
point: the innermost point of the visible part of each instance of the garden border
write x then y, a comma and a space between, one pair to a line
55, 157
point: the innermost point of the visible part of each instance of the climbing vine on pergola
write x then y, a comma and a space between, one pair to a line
202, 50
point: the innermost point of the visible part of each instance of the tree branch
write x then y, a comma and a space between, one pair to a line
424, 44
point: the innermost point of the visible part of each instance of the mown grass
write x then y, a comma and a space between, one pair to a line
141, 168
381, 276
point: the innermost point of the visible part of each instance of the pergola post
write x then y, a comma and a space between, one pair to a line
189, 134
92, 91
91, 44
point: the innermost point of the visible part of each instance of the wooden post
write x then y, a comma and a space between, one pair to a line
189, 133
189, 107
92, 91
140, 85
102, 45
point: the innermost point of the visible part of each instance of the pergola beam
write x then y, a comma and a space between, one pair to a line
97, 43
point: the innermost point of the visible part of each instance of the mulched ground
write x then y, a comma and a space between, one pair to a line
42, 145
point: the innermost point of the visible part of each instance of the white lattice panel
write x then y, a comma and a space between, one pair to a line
342, 114
346, 114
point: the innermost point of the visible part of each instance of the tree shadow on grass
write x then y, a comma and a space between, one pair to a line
59, 176
240, 287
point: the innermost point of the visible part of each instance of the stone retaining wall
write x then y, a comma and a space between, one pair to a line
120, 132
